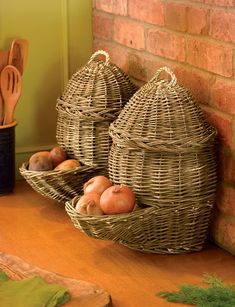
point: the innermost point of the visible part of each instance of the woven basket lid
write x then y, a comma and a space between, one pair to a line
162, 115
98, 84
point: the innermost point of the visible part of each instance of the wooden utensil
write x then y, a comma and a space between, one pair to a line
18, 54
3, 63
4, 56
11, 85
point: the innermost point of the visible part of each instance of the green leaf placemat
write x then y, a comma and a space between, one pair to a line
30, 292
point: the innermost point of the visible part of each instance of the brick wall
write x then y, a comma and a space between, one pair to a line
196, 38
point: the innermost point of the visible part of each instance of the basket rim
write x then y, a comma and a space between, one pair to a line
136, 213
125, 140
70, 205
79, 169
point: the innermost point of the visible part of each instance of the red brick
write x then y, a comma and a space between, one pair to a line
223, 95
144, 67
137, 67
149, 11
224, 3
166, 44
117, 7
119, 56
220, 2
227, 167
197, 82
197, 20
222, 124
102, 26
226, 200
152, 65
176, 16
129, 61
129, 33
223, 25
223, 232
184, 18
102, 45
211, 57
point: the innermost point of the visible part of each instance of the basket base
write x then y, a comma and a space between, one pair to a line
163, 251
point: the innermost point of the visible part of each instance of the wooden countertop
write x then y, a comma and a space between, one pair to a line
39, 231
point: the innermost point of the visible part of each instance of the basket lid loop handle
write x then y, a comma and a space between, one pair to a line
156, 78
98, 52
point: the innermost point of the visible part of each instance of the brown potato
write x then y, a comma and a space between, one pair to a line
67, 165
39, 154
40, 163
57, 155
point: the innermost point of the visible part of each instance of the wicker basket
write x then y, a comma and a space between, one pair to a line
58, 185
152, 229
163, 147
92, 99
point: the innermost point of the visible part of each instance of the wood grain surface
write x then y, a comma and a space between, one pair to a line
39, 231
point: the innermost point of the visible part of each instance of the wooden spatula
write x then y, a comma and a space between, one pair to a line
11, 85
18, 54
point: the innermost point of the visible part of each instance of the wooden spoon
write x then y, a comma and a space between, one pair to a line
4, 56
18, 54
3, 63
11, 85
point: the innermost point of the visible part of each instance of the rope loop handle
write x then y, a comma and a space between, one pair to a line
156, 78
98, 52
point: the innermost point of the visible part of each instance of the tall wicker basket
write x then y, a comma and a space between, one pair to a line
92, 99
163, 147
165, 150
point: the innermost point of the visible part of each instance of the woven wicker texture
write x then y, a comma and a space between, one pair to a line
153, 229
58, 185
93, 98
163, 147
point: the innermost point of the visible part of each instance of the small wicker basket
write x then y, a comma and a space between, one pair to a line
92, 99
152, 229
58, 185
